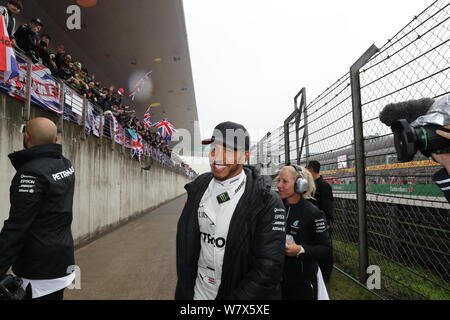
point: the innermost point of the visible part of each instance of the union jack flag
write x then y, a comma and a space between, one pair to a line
139, 85
8, 62
147, 122
165, 129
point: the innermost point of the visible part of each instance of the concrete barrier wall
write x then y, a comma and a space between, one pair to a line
110, 187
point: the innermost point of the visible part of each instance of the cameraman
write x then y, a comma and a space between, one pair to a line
442, 177
37, 239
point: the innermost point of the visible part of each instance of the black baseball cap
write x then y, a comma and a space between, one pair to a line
37, 21
232, 135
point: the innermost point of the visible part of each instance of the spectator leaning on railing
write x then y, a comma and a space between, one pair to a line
44, 54
10, 11
27, 38
60, 53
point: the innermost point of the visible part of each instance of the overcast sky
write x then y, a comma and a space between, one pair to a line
250, 57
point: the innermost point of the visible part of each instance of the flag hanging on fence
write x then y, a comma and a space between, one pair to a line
147, 122
118, 131
8, 62
135, 143
45, 89
93, 122
139, 85
165, 129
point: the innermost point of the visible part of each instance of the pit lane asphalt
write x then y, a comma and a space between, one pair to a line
134, 262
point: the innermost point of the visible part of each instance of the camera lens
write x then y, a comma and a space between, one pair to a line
405, 140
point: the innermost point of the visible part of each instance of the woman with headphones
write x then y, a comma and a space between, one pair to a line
307, 238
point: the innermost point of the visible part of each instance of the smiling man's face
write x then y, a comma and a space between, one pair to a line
226, 163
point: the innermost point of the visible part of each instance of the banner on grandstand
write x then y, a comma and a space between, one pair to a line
73, 110
93, 121
44, 88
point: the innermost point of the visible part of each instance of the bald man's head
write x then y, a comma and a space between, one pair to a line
40, 131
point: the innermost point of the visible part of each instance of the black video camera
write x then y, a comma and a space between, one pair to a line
410, 139
11, 288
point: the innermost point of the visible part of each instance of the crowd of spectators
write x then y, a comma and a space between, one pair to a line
36, 45
128, 120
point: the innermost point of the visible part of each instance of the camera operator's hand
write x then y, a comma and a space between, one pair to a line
443, 159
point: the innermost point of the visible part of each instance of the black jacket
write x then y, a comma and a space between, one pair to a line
306, 223
324, 198
442, 179
37, 239
254, 253
27, 40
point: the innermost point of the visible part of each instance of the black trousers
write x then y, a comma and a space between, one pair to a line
58, 295
326, 265
306, 289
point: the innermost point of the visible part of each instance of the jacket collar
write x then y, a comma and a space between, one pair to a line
19, 158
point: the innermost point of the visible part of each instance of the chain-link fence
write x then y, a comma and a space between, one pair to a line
387, 214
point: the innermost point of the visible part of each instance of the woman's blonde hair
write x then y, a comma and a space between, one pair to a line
305, 174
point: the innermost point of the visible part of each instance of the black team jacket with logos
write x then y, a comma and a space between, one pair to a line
37, 239
324, 198
442, 179
254, 253
307, 225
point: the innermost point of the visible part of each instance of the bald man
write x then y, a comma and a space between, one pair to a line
36, 240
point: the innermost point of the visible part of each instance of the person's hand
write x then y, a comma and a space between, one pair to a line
443, 159
292, 249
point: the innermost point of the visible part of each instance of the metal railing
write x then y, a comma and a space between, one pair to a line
387, 213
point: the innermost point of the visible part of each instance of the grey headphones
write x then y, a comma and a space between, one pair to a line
301, 185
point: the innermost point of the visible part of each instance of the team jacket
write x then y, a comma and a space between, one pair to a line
324, 198
37, 239
254, 253
307, 224
442, 179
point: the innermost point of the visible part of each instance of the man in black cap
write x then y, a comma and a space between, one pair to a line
231, 233
27, 38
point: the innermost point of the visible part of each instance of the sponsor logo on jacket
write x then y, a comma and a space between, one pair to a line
207, 238
63, 174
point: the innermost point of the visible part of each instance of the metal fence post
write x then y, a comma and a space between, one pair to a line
288, 120
299, 110
360, 160
287, 155
26, 115
85, 114
306, 134
61, 103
